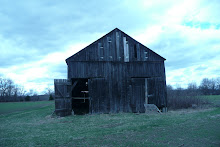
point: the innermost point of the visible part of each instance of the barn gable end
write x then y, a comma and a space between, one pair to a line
113, 74
110, 47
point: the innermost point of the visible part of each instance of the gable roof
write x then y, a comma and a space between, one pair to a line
116, 29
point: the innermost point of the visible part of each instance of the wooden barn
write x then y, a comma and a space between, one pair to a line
113, 74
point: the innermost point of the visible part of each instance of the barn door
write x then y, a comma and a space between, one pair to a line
98, 99
156, 91
138, 95
63, 103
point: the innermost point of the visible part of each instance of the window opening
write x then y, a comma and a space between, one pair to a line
146, 55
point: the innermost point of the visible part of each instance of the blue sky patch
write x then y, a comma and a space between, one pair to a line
195, 24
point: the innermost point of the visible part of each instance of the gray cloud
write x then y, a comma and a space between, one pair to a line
200, 68
37, 28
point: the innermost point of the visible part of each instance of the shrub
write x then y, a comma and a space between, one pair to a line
27, 98
181, 102
182, 99
51, 97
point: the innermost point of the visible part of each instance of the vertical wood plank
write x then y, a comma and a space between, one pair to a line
109, 51
138, 52
127, 48
126, 53
117, 47
99, 51
124, 46
146, 92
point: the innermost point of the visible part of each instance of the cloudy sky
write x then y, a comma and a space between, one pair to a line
36, 36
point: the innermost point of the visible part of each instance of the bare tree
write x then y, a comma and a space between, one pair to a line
192, 89
10, 87
1, 89
205, 86
15, 92
6, 89
9, 91
213, 86
3, 86
218, 85
192, 86
21, 91
49, 91
210, 86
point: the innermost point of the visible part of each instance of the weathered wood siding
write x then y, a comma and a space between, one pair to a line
119, 87
111, 48
85, 69
117, 83
63, 102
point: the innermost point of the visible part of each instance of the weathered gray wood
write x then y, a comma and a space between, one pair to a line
118, 80
73, 86
63, 103
117, 47
80, 98
138, 52
146, 92
145, 55
126, 51
109, 50
91, 52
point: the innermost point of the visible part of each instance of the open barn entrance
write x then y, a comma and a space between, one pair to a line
147, 94
80, 96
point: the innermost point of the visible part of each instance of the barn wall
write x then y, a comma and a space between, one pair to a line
115, 79
103, 69
120, 79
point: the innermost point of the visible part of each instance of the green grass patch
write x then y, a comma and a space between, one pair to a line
35, 127
10, 107
211, 98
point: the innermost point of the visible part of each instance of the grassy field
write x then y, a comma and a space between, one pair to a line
31, 124
214, 99
12, 107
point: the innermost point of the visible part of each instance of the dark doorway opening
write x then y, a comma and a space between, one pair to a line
80, 96
80, 106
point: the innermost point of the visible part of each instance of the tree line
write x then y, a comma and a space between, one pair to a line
193, 95
207, 87
11, 92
